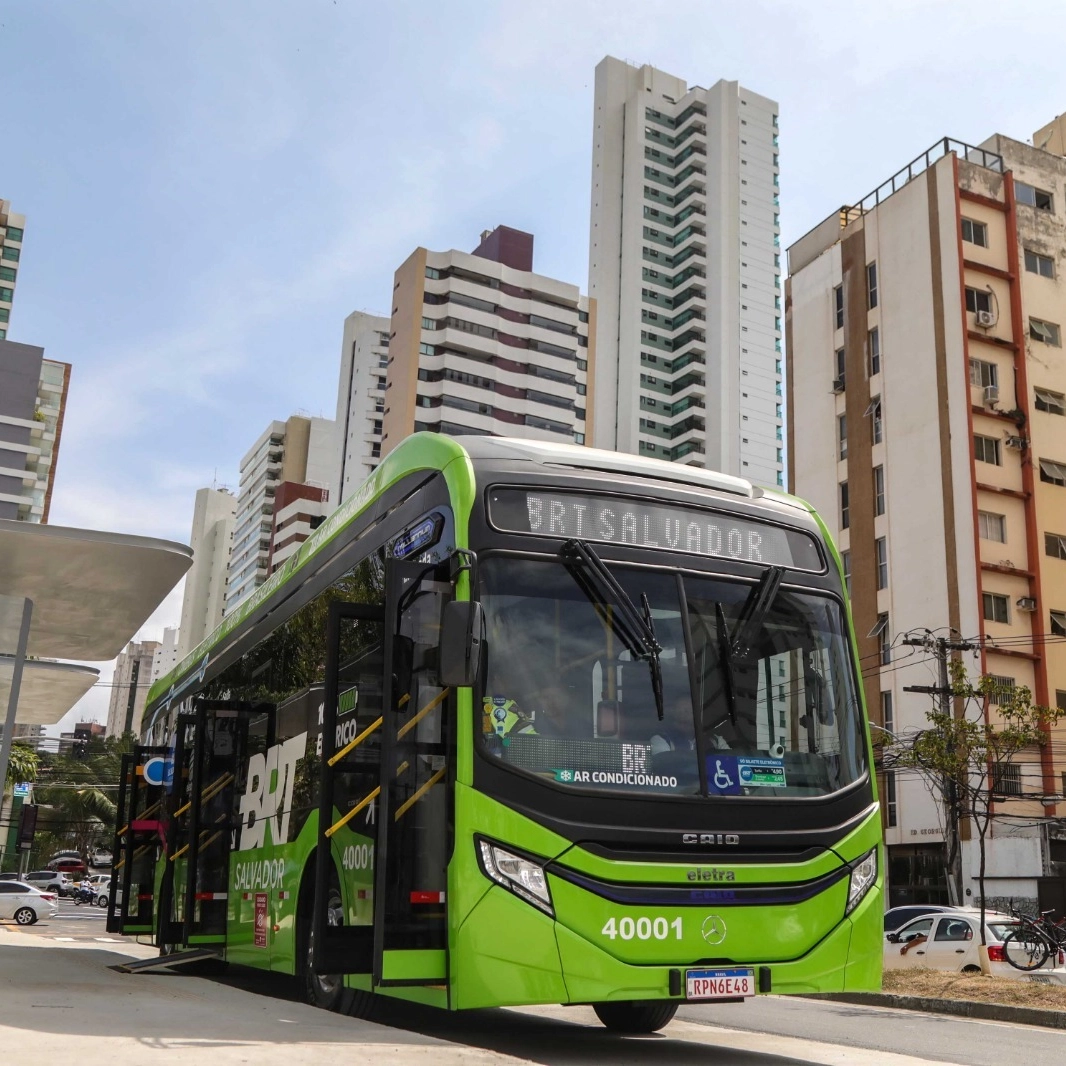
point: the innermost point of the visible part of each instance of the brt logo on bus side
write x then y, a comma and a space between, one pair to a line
268, 794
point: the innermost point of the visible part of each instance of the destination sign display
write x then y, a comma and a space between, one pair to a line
646, 524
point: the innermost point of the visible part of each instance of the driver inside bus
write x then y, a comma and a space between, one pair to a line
677, 731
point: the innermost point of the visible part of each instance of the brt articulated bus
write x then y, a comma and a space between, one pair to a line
521, 723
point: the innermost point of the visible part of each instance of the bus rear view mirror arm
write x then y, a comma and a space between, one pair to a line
461, 641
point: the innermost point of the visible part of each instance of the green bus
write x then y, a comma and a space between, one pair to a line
521, 723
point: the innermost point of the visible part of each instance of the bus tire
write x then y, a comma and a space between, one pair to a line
637, 1016
326, 990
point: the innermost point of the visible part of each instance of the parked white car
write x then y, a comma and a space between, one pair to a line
25, 904
949, 941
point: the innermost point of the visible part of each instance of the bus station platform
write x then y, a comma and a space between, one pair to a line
62, 1002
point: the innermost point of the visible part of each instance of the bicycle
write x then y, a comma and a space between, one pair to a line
1034, 940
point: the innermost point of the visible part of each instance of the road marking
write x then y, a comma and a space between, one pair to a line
62, 938
107, 940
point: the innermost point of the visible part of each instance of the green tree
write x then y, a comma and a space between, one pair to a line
22, 765
77, 793
963, 753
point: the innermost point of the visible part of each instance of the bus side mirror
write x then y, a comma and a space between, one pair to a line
461, 642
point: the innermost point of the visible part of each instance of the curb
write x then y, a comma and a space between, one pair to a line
963, 1008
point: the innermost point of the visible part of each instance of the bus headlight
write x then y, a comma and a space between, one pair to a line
863, 875
521, 876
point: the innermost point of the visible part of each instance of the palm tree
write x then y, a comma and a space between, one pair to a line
77, 793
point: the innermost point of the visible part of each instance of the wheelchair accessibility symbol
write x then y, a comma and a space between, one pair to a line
723, 778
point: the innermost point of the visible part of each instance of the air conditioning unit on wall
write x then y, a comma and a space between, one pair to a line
991, 394
986, 319
1026, 603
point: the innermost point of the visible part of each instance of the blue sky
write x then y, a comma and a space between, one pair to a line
211, 187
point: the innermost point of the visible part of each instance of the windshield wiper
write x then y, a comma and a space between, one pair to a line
735, 645
612, 603
755, 608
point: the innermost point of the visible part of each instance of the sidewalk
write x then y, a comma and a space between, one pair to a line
62, 1000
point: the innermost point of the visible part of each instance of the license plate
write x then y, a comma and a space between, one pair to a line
719, 984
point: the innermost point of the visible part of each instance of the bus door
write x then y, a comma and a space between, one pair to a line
208, 813
169, 926
342, 928
138, 841
414, 815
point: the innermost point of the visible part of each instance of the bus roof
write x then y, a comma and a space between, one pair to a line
548, 453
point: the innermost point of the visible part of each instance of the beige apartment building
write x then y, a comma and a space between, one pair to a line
480, 344
927, 423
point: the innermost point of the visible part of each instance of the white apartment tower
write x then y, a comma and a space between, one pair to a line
12, 227
211, 538
129, 687
684, 263
299, 451
360, 399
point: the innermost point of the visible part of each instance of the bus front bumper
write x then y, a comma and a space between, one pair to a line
508, 953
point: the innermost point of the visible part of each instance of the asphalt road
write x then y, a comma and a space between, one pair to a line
766, 1031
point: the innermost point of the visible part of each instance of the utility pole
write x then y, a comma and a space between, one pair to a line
941, 647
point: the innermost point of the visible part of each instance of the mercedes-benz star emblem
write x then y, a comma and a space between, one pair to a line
713, 930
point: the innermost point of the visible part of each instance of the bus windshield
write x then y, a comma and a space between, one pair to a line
758, 695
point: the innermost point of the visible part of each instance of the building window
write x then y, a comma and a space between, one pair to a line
838, 384
14, 233
983, 374
842, 436
874, 410
1041, 199
1055, 545
10, 254
992, 526
1052, 402
888, 718
879, 490
975, 232
838, 304
995, 607
881, 550
1007, 779
1002, 688
845, 563
874, 344
871, 285
432, 272
978, 300
1058, 623
845, 516
884, 640
8, 273
1053, 473
986, 449
1048, 332
1036, 263
891, 804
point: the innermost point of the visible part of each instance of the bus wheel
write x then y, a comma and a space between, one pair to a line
635, 1017
326, 990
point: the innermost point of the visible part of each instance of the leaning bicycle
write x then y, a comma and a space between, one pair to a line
1033, 941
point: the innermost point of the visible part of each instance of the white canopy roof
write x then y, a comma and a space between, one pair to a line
91, 590
48, 689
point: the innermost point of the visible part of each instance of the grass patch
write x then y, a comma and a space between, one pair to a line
939, 984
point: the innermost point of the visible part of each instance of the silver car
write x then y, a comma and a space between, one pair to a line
25, 904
